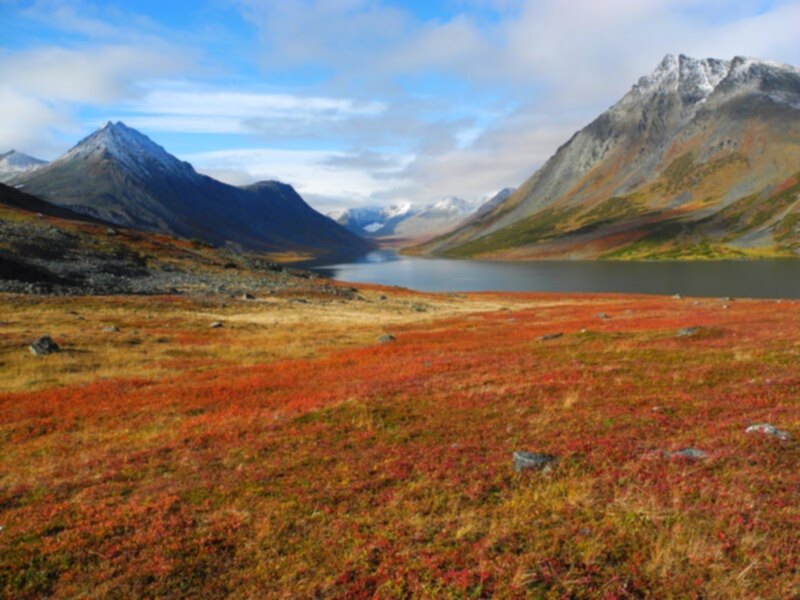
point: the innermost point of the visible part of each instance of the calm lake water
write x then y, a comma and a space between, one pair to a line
744, 279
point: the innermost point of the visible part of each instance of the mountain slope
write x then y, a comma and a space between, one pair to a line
15, 163
699, 160
121, 176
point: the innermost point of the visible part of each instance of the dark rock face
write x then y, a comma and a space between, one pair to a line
524, 461
43, 346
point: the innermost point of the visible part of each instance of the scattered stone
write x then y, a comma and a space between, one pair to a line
678, 297
524, 461
602, 316
216, 325
727, 299
386, 339
111, 231
111, 329
550, 336
43, 346
690, 453
247, 296
768, 429
688, 331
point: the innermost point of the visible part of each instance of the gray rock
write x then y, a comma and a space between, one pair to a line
247, 296
688, 331
768, 429
550, 336
678, 297
386, 339
216, 325
524, 461
602, 316
690, 453
43, 346
111, 329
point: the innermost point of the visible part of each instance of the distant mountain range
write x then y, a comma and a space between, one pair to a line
406, 222
701, 159
120, 176
15, 163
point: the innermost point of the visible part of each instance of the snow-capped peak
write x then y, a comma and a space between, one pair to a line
452, 204
694, 80
15, 163
131, 148
396, 210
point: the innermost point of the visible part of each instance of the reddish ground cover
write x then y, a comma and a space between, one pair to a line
386, 470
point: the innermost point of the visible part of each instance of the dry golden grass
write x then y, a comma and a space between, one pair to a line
161, 335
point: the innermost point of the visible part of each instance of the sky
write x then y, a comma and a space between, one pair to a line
354, 102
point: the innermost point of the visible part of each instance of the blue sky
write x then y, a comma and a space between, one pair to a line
355, 102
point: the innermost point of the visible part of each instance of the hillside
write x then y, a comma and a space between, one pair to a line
46, 249
121, 176
701, 159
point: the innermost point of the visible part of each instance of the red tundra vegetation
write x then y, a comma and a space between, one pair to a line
343, 467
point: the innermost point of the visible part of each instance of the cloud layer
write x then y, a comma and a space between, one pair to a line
360, 101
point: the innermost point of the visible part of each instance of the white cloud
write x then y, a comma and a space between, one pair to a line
325, 178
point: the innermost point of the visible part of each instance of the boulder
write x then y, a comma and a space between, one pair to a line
111, 329
386, 339
550, 336
688, 331
768, 429
43, 346
216, 325
690, 453
525, 461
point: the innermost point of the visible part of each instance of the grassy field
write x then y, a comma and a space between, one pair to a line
289, 454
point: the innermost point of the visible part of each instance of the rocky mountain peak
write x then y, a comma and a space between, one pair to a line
14, 163
134, 150
692, 79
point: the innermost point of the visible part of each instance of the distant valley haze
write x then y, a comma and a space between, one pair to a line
357, 104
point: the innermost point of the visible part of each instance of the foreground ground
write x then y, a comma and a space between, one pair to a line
289, 454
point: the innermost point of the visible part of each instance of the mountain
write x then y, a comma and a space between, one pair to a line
493, 201
121, 176
404, 221
14, 163
372, 221
435, 219
701, 159
17, 199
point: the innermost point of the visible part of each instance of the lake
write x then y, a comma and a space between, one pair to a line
744, 279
